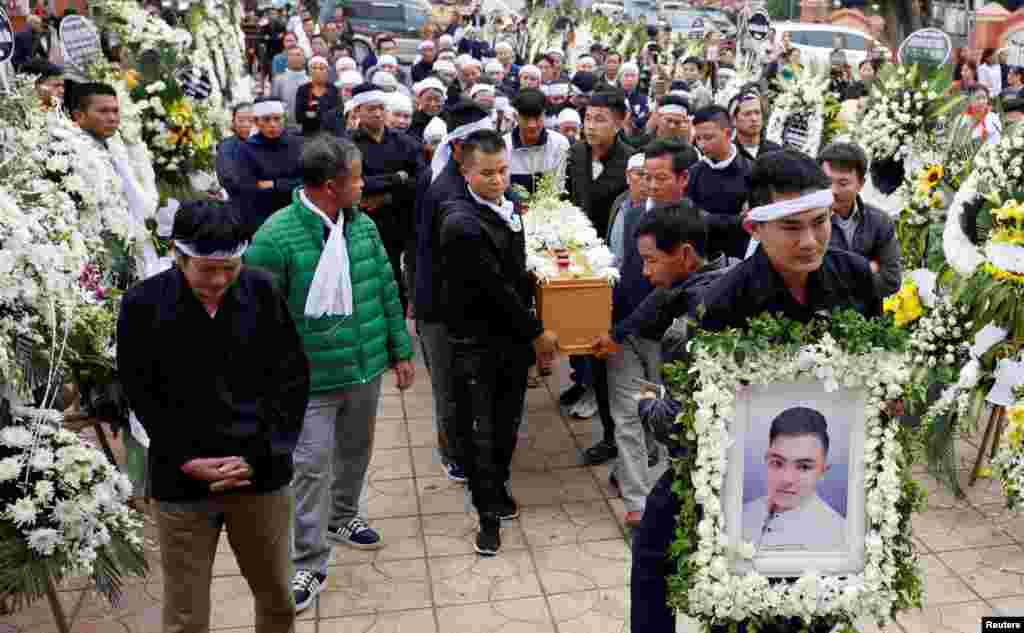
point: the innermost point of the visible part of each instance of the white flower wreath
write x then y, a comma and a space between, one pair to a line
717, 593
803, 95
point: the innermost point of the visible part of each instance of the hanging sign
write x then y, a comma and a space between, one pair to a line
930, 47
1015, 48
194, 82
758, 26
6, 37
80, 41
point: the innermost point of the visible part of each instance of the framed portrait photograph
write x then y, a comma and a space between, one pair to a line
794, 486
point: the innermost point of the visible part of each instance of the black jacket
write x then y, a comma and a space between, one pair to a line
420, 121
421, 70
382, 161
874, 239
486, 291
262, 159
234, 384
311, 119
722, 193
765, 147
595, 197
449, 186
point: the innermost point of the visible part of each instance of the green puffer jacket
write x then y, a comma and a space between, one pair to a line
342, 351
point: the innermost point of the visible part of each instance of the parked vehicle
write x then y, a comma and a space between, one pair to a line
609, 8
405, 19
817, 41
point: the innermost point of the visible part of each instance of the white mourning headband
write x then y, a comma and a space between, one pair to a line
191, 250
557, 90
672, 108
478, 88
267, 108
319, 60
430, 83
769, 212
370, 97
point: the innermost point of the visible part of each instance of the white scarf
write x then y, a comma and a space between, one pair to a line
330, 294
506, 210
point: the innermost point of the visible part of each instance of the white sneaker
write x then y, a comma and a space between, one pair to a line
586, 407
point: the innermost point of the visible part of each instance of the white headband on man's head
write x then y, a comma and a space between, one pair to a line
557, 90
430, 83
318, 59
388, 60
444, 150
529, 69
267, 108
629, 67
425, 44
478, 88
636, 161
672, 108
191, 250
350, 78
503, 46
371, 97
820, 199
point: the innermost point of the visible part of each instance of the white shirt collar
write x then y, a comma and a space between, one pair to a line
725, 163
320, 212
506, 210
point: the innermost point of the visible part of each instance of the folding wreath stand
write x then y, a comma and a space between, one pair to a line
64, 622
994, 426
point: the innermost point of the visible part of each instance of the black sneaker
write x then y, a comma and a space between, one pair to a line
508, 509
603, 451
488, 540
306, 585
571, 395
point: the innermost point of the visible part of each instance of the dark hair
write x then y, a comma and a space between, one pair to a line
969, 64
324, 157
678, 100
784, 172
530, 103
740, 99
713, 114
614, 100
1015, 70
800, 421
77, 96
683, 154
845, 156
211, 225
245, 105
986, 55
693, 60
611, 54
484, 141
386, 38
42, 68
674, 226
464, 112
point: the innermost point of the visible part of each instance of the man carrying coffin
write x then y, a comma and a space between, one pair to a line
792, 272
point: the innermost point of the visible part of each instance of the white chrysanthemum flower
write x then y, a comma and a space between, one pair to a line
44, 540
22, 512
10, 468
16, 437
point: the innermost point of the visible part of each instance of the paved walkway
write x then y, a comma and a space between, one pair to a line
564, 564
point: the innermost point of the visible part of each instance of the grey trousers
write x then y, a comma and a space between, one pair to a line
437, 352
331, 459
639, 358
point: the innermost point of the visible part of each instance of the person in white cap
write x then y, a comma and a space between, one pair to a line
506, 55
268, 164
430, 96
392, 162
557, 100
586, 64
445, 43
569, 125
434, 133
446, 72
495, 72
530, 76
347, 81
399, 112
484, 95
556, 57
385, 81
314, 100
425, 66
344, 64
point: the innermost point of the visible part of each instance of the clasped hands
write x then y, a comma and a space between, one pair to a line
222, 473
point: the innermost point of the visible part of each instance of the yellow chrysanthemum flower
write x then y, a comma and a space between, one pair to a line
905, 305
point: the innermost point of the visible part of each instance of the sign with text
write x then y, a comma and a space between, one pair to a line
930, 47
6, 37
758, 26
1015, 48
80, 41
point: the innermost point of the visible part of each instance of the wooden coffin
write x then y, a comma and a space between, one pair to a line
577, 309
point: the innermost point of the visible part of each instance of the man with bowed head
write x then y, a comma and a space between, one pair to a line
495, 337
221, 398
341, 292
267, 165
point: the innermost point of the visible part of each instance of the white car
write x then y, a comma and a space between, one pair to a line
609, 8
817, 41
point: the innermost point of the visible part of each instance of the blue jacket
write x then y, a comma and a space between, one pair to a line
262, 159
449, 186
722, 193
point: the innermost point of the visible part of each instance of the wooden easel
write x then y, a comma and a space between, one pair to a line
994, 428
